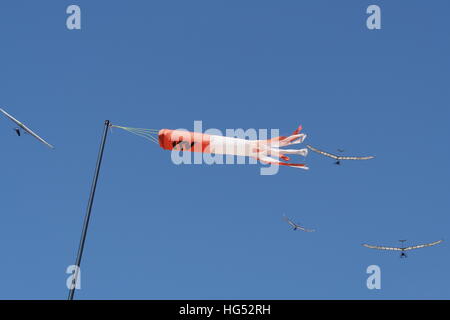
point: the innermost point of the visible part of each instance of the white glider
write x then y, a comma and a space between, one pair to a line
402, 248
25, 128
338, 158
296, 226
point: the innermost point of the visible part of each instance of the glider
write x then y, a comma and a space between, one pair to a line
336, 157
402, 248
296, 226
262, 150
24, 128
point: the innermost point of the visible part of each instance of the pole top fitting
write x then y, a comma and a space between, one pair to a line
107, 122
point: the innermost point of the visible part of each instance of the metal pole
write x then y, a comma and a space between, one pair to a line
88, 211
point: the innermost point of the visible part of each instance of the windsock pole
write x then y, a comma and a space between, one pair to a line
88, 212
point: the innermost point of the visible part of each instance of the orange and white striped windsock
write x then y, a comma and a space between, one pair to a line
267, 151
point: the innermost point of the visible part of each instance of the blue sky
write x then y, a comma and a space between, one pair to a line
161, 231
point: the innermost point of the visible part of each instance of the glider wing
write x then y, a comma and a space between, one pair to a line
37, 137
289, 221
356, 158
381, 247
330, 155
423, 245
306, 230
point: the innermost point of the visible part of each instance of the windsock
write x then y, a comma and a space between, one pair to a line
262, 150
